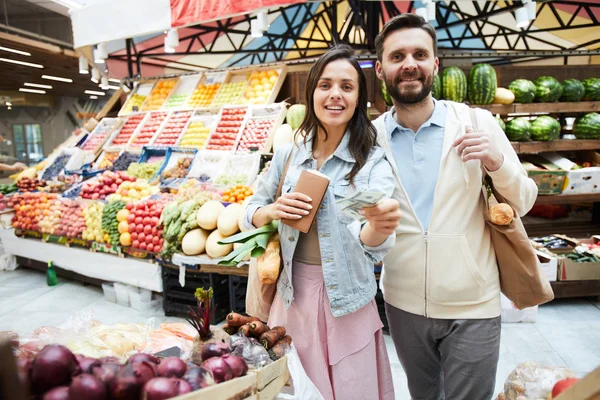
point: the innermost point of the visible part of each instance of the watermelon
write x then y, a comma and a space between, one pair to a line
545, 128
482, 84
518, 129
523, 89
501, 122
587, 126
386, 95
592, 89
454, 84
573, 90
436, 89
547, 89
295, 115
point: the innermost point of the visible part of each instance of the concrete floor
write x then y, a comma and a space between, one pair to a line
566, 334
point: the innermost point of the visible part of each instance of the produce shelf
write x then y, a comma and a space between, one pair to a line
559, 107
555, 145
564, 289
568, 198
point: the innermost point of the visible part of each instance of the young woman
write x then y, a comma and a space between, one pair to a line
325, 293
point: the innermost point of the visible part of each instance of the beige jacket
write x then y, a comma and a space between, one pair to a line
450, 271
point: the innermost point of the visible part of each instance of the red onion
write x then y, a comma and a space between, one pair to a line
172, 367
139, 357
87, 364
53, 366
59, 393
87, 387
221, 371
199, 378
210, 350
131, 379
165, 388
23, 367
237, 364
106, 372
109, 359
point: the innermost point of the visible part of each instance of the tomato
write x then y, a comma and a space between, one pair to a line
147, 229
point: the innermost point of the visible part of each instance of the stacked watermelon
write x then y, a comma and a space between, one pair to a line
587, 126
436, 89
523, 89
518, 130
482, 84
454, 84
592, 89
501, 123
545, 128
573, 90
547, 89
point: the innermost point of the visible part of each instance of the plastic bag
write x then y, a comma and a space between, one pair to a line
302, 387
532, 381
250, 349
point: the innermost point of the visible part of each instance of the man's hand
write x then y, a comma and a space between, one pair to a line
479, 146
18, 166
384, 217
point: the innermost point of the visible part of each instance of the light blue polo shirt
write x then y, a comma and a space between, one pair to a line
417, 156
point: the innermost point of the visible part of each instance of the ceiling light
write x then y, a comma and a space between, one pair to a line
114, 80
262, 21
422, 12
32, 91
69, 3
104, 83
94, 92
522, 17
57, 78
100, 53
93, 97
531, 10
256, 32
23, 53
9, 108
8, 103
83, 65
431, 11
27, 64
95, 75
37, 85
113, 87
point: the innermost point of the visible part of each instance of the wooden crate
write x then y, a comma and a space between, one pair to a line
235, 389
184, 88
275, 112
139, 93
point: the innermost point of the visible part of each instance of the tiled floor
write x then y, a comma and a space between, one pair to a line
567, 332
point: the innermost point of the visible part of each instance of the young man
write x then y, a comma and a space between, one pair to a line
440, 282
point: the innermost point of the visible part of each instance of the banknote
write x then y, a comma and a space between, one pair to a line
352, 204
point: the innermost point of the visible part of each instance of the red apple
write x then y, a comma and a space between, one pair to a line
562, 385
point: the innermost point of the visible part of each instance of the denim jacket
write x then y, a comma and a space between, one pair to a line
347, 263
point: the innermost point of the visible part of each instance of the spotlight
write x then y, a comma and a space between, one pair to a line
83, 65
171, 41
522, 17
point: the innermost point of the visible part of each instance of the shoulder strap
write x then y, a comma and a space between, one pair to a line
473, 119
284, 173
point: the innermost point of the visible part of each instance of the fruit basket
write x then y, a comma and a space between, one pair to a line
148, 129
181, 93
179, 163
159, 94
137, 98
261, 124
205, 91
121, 139
101, 133
198, 130
172, 130
226, 134
124, 160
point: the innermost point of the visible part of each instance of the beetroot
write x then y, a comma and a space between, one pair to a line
221, 371
59, 393
210, 350
199, 378
165, 388
172, 367
131, 379
237, 364
53, 366
87, 387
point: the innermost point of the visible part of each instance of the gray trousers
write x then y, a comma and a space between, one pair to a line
452, 359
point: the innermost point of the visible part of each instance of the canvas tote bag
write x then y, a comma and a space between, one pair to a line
259, 296
522, 279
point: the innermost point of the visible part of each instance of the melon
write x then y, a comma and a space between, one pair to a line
295, 115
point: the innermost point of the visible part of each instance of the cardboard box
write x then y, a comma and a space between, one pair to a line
577, 181
548, 177
510, 313
569, 270
549, 265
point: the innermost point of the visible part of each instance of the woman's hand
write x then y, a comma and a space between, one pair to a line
290, 206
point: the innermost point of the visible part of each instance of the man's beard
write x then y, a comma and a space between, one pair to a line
409, 97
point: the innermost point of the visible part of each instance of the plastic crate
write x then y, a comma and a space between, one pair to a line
237, 293
177, 299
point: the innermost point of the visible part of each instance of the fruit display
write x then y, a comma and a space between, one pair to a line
29, 185
179, 170
110, 225
236, 194
140, 226
133, 191
255, 135
159, 94
182, 93
30, 208
173, 129
93, 222
203, 95
144, 170
436, 90
228, 128
107, 159
482, 84
545, 128
454, 84
295, 115
228, 180
260, 86
56, 167
147, 131
573, 90
587, 126
6, 188
547, 89
592, 89
230, 93
71, 222
97, 138
523, 89
107, 184
124, 161
60, 184
127, 130
134, 104
518, 129
503, 96
195, 135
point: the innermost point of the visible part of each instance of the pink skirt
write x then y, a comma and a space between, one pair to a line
345, 357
